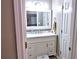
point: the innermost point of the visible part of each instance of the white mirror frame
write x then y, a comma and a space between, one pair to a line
40, 27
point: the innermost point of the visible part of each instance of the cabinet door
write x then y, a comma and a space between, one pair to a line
52, 47
41, 48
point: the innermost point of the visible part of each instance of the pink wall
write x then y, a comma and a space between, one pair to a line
8, 47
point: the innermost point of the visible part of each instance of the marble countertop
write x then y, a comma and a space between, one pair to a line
40, 35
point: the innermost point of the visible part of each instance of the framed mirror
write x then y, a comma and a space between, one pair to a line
38, 19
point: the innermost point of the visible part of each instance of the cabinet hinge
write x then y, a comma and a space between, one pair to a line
25, 45
62, 6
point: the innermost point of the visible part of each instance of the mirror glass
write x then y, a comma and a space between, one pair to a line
38, 18
43, 18
31, 18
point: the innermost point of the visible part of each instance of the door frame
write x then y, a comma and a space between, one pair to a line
74, 31
19, 27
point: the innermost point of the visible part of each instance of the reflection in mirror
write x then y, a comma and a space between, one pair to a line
43, 19
38, 18
31, 18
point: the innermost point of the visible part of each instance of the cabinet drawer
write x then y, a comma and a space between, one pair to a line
31, 57
51, 52
31, 53
30, 46
41, 48
52, 43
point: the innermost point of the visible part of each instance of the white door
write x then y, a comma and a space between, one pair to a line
65, 30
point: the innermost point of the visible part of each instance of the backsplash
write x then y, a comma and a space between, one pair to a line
38, 31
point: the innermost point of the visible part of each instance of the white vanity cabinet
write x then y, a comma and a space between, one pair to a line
41, 46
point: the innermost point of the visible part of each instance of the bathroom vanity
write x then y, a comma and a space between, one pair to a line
41, 44
40, 39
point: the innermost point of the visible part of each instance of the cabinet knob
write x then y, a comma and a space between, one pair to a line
50, 51
29, 47
30, 55
46, 45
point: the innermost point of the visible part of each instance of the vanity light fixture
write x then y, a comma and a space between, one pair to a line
36, 5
